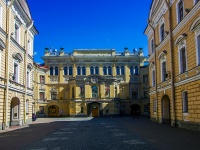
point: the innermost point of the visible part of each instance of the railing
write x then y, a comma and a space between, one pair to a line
53, 78
164, 84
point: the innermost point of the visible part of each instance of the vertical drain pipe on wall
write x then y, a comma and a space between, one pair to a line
154, 37
8, 31
171, 60
25, 68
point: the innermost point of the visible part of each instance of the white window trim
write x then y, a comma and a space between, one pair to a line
18, 70
182, 45
163, 59
28, 78
197, 33
177, 11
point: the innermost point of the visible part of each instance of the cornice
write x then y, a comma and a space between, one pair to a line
192, 79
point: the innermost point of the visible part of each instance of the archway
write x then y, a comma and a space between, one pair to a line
135, 108
53, 111
15, 111
165, 109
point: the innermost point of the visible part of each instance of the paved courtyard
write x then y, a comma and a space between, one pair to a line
120, 133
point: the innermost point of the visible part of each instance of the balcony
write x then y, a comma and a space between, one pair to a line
53, 79
164, 84
134, 78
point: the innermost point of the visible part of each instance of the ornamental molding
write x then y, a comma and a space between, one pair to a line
195, 25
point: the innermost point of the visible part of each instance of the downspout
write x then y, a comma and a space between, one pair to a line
25, 68
155, 68
171, 72
7, 67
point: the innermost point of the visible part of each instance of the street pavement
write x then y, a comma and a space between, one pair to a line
109, 133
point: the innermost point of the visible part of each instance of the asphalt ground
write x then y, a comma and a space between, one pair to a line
117, 133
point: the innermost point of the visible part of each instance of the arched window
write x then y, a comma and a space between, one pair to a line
136, 70
122, 70
56, 71
51, 70
153, 78
65, 71
118, 70
109, 70
91, 70
163, 67
83, 71
104, 70
185, 102
94, 91
70, 71
78, 70
131, 70
96, 70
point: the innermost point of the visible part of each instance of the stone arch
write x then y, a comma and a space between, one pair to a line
53, 111
165, 104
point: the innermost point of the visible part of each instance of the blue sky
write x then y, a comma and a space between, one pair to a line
81, 24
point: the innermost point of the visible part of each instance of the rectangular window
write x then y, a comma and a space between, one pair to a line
53, 95
185, 102
180, 11
17, 33
183, 60
28, 79
145, 78
134, 94
198, 49
42, 79
145, 94
164, 71
162, 32
16, 112
153, 78
41, 95
15, 76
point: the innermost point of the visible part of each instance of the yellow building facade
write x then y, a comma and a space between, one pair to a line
91, 82
16, 56
173, 32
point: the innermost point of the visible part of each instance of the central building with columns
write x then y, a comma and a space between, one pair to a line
91, 82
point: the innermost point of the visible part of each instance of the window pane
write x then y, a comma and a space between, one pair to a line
198, 48
83, 71
105, 70
162, 32
185, 102
131, 70
96, 70
183, 59
109, 70
65, 71
79, 70
56, 71
51, 70
180, 5
122, 70
91, 70
70, 70
94, 91
118, 70
136, 70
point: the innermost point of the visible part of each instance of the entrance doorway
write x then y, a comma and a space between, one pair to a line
15, 112
53, 111
95, 111
135, 109
166, 109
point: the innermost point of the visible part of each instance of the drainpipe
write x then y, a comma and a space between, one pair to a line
172, 70
149, 23
25, 68
7, 67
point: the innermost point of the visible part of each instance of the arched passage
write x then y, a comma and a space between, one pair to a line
15, 111
53, 111
165, 109
135, 108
